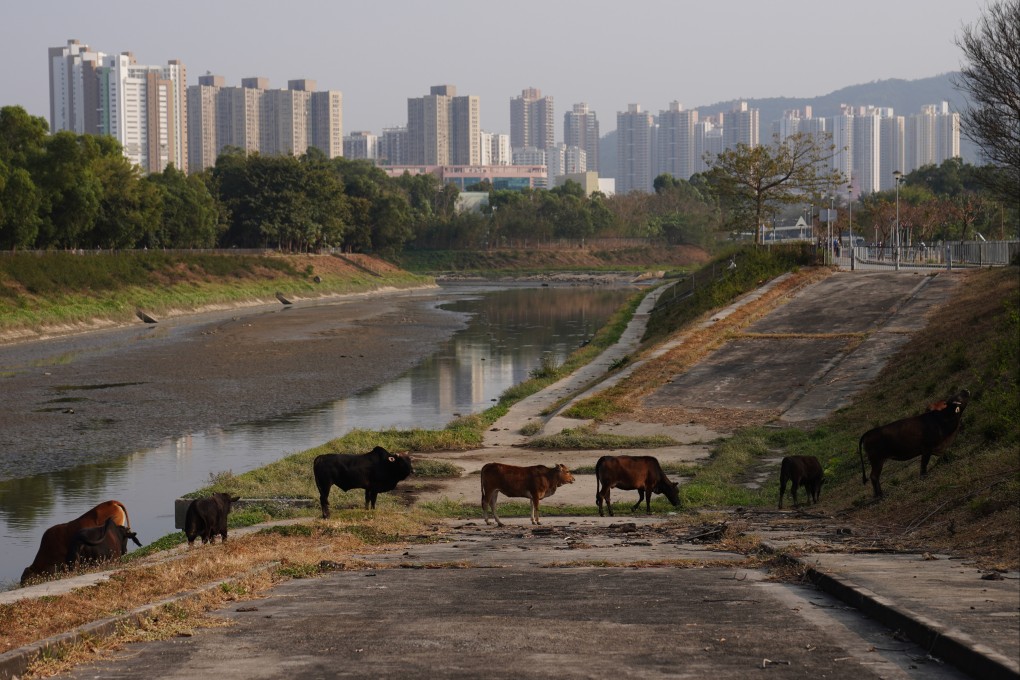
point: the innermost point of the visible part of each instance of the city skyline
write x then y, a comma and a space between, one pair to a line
409, 49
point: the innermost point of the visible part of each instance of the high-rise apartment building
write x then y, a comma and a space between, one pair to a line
563, 160
496, 149
74, 88
893, 152
841, 127
740, 126
361, 144
443, 128
675, 144
255, 118
581, 129
465, 130
708, 141
866, 165
531, 120
143, 107
633, 150
932, 136
393, 146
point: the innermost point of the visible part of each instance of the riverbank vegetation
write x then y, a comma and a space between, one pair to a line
62, 290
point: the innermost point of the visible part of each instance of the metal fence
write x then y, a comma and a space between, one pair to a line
947, 255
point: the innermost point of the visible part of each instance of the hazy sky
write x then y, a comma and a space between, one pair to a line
607, 53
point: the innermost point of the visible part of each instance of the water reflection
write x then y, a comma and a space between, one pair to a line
508, 334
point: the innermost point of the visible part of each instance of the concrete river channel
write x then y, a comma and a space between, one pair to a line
491, 338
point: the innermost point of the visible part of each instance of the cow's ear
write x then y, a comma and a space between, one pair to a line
234, 499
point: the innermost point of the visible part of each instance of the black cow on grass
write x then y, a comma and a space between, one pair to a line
925, 435
207, 517
375, 472
800, 471
100, 544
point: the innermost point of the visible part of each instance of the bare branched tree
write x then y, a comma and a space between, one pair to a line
756, 181
991, 78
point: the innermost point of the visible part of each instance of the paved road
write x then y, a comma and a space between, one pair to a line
520, 614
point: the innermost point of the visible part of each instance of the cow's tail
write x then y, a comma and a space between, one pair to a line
860, 452
127, 520
598, 477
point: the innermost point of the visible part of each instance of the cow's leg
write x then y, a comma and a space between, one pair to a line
324, 498
492, 507
369, 499
876, 475
794, 487
648, 501
782, 490
604, 495
640, 499
925, 457
534, 509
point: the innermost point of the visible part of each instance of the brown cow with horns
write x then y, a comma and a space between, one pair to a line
925, 435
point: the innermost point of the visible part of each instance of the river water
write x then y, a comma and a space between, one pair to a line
510, 330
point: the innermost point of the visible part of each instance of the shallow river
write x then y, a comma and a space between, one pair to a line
508, 332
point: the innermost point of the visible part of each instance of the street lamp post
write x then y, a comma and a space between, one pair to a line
832, 209
898, 176
850, 221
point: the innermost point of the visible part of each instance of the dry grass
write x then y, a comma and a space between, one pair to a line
153, 580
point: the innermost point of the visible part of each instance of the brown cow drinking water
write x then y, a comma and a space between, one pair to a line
643, 473
56, 541
925, 435
535, 482
800, 471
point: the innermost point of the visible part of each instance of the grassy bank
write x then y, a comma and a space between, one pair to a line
496, 263
62, 290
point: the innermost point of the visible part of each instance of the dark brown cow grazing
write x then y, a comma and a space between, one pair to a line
375, 472
207, 517
803, 471
99, 544
923, 435
633, 472
56, 540
535, 482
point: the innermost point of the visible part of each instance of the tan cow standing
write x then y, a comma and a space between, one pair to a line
535, 482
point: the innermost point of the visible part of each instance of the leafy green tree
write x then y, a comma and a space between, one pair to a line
756, 181
69, 191
129, 208
22, 136
329, 209
190, 216
19, 208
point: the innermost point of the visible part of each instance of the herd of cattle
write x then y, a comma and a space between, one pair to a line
102, 533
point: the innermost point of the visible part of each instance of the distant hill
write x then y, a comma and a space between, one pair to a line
906, 97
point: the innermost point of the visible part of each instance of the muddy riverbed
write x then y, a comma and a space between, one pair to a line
96, 397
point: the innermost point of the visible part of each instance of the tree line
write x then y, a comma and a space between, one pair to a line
69, 191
